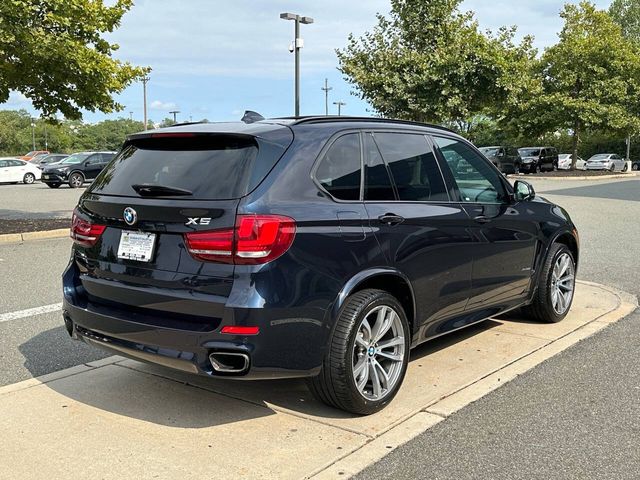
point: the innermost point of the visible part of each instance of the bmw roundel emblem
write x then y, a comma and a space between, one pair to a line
130, 216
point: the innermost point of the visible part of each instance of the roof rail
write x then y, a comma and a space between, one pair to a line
333, 118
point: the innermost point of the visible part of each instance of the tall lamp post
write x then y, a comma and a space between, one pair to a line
339, 104
175, 112
33, 134
145, 79
297, 45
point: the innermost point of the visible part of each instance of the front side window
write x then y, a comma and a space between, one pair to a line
477, 181
339, 170
413, 167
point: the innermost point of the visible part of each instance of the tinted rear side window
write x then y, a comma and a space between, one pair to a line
413, 167
339, 169
377, 183
212, 167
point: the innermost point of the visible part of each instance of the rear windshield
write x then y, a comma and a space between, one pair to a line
210, 167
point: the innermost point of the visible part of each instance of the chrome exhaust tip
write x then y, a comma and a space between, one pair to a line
229, 362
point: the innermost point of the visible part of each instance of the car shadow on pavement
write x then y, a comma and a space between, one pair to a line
162, 396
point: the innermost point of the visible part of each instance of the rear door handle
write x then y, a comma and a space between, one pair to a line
391, 219
482, 219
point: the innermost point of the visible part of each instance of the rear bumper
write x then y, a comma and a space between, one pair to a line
291, 346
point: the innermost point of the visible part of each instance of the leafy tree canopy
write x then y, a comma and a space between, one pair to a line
588, 80
429, 62
626, 13
53, 51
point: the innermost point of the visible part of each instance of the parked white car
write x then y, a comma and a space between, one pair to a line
564, 162
606, 161
13, 170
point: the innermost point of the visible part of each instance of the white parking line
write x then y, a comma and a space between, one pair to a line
29, 312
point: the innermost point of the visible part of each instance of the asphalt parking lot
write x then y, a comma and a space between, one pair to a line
574, 416
37, 201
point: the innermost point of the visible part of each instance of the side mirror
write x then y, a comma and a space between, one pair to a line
523, 191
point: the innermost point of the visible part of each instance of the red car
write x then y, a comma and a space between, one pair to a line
35, 153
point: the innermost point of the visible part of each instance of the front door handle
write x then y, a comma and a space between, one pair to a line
391, 219
482, 219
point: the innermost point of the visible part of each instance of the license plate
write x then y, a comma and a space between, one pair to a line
136, 246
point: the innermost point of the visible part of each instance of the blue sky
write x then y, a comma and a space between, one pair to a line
216, 58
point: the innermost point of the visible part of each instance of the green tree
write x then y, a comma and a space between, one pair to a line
626, 13
584, 82
54, 52
429, 62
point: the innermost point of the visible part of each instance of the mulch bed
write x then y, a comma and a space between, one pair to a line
33, 224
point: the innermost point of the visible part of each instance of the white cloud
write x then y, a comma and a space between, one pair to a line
166, 106
17, 99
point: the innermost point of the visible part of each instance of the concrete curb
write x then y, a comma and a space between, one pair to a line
23, 237
583, 178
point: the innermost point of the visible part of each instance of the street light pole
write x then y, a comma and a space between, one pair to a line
145, 79
297, 45
339, 104
46, 138
33, 134
326, 89
174, 115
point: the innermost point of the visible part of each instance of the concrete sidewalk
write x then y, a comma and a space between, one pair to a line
117, 418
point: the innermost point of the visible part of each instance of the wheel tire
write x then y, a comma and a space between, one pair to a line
335, 385
53, 185
538, 169
613, 168
29, 178
625, 168
541, 308
516, 169
76, 180
635, 167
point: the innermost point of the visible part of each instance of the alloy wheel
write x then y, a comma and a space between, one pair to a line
378, 353
29, 178
76, 180
562, 283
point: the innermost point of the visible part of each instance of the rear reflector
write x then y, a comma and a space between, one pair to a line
237, 330
255, 239
83, 232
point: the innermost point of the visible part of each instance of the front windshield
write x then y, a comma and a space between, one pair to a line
74, 159
529, 152
490, 151
600, 156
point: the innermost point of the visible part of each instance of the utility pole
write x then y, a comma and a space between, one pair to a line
130, 115
339, 104
175, 112
33, 134
298, 43
326, 89
46, 139
145, 79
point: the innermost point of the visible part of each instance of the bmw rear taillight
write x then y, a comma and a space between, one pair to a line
255, 239
83, 232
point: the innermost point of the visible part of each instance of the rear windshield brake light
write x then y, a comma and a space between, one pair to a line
255, 239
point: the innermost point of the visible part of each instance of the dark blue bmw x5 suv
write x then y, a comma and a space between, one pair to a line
313, 247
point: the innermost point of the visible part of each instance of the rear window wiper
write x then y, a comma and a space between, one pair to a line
152, 190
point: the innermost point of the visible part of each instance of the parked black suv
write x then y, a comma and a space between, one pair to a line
314, 247
76, 169
506, 159
538, 159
